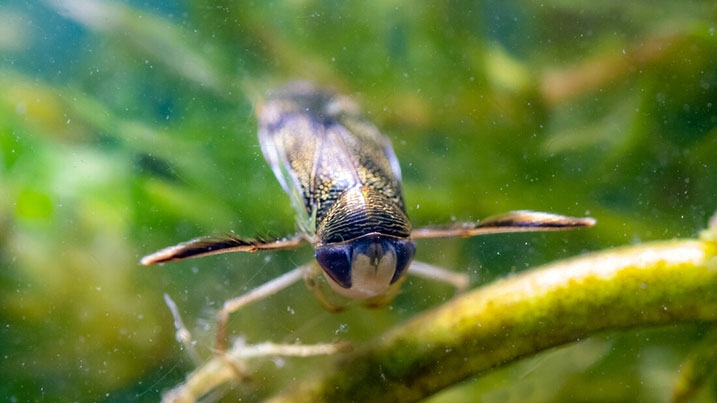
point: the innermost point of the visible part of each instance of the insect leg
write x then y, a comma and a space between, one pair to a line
258, 293
514, 221
431, 272
317, 284
214, 245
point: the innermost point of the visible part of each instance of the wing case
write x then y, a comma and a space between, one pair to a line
341, 174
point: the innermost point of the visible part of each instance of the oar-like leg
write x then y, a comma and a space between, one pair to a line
514, 221
214, 245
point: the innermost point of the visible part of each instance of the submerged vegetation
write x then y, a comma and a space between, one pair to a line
126, 128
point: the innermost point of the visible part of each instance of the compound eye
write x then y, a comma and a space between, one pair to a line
336, 262
405, 250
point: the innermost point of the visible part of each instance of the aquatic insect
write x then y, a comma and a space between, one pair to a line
344, 182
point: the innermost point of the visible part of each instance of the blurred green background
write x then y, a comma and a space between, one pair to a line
128, 126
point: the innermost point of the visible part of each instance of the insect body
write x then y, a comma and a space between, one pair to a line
344, 182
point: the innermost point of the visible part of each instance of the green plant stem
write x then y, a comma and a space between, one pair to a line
646, 285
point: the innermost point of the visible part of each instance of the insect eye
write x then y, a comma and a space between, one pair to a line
336, 262
404, 254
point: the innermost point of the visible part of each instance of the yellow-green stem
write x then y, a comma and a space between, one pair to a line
651, 284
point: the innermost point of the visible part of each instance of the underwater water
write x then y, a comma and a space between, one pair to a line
126, 127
